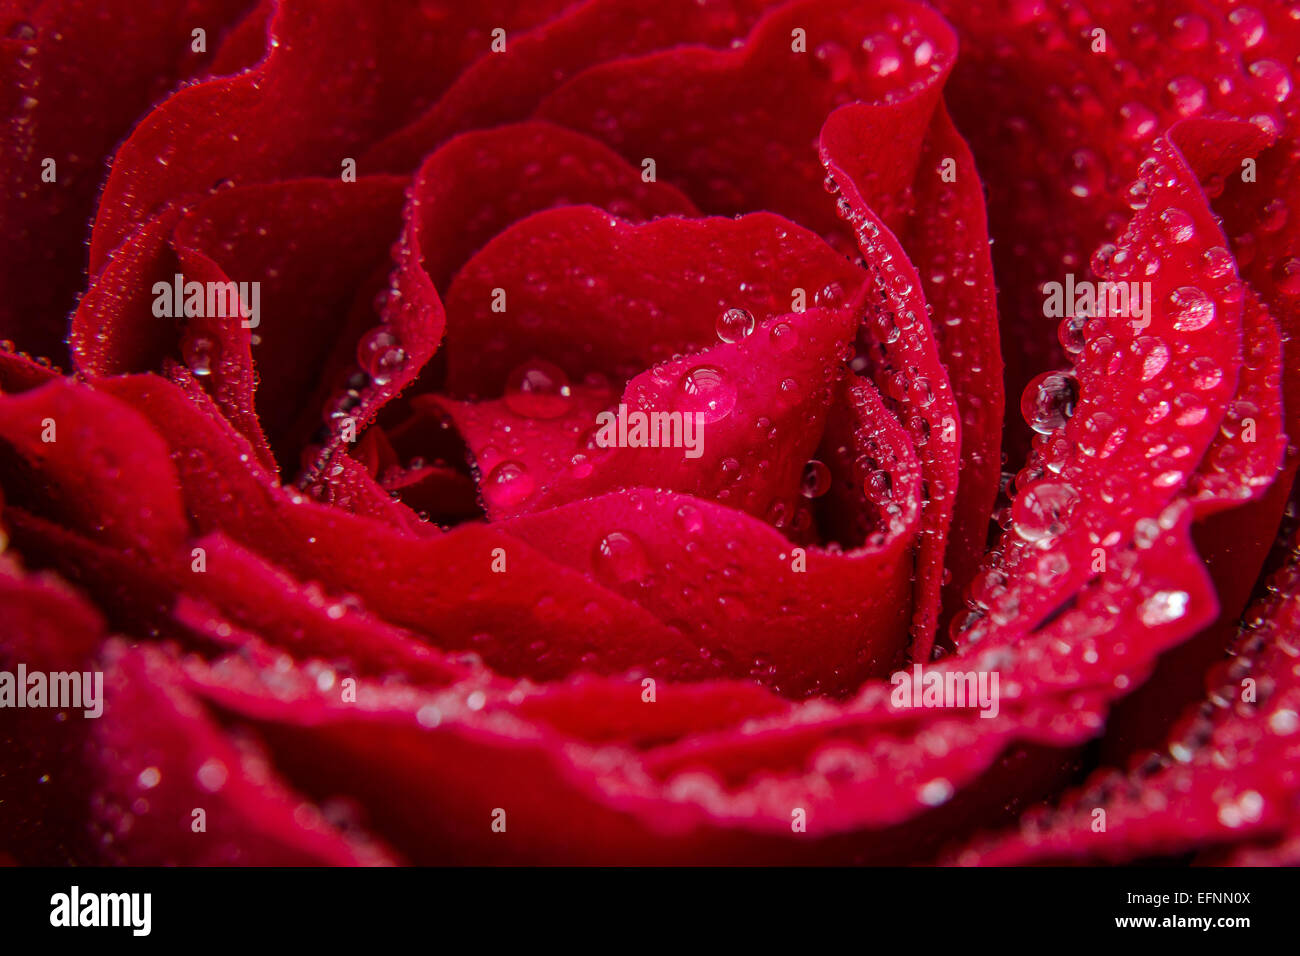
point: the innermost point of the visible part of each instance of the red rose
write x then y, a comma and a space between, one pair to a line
570, 431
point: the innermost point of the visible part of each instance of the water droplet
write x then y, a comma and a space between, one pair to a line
1271, 79
508, 485
381, 355
1287, 275
212, 775
1103, 257
200, 353
836, 61
830, 296
1218, 262
1153, 357
538, 389
1136, 121
1193, 309
1163, 607
1249, 25
1070, 333
621, 557
1177, 224
1085, 174
879, 487
734, 325
1040, 511
936, 793
689, 519
1284, 722
1048, 401
816, 479
1190, 32
784, 337
1186, 94
884, 57
1138, 195
706, 390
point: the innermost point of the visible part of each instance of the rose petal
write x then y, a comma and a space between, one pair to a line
158, 758
1102, 477
128, 496
250, 593
1064, 113
678, 275
897, 347
781, 616
1228, 775
752, 409
381, 70
946, 238
57, 108
504, 89
478, 184
309, 245
718, 124
48, 627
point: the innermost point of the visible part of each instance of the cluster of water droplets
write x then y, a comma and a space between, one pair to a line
888, 322
8, 346
380, 358
883, 65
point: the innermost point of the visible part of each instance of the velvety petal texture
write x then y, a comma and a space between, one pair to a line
649, 432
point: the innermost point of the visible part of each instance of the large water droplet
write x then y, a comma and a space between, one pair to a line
1193, 309
689, 519
734, 325
1048, 401
381, 355
1136, 121
706, 390
200, 353
621, 557
879, 487
1271, 79
1287, 275
816, 479
538, 389
1177, 224
1186, 94
1249, 25
508, 485
1163, 607
1040, 512
1085, 174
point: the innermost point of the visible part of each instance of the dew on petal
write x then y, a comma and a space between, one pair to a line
1048, 401
1163, 607
381, 355
538, 389
707, 391
508, 485
734, 325
621, 557
1193, 309
1040, 512
816, 479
